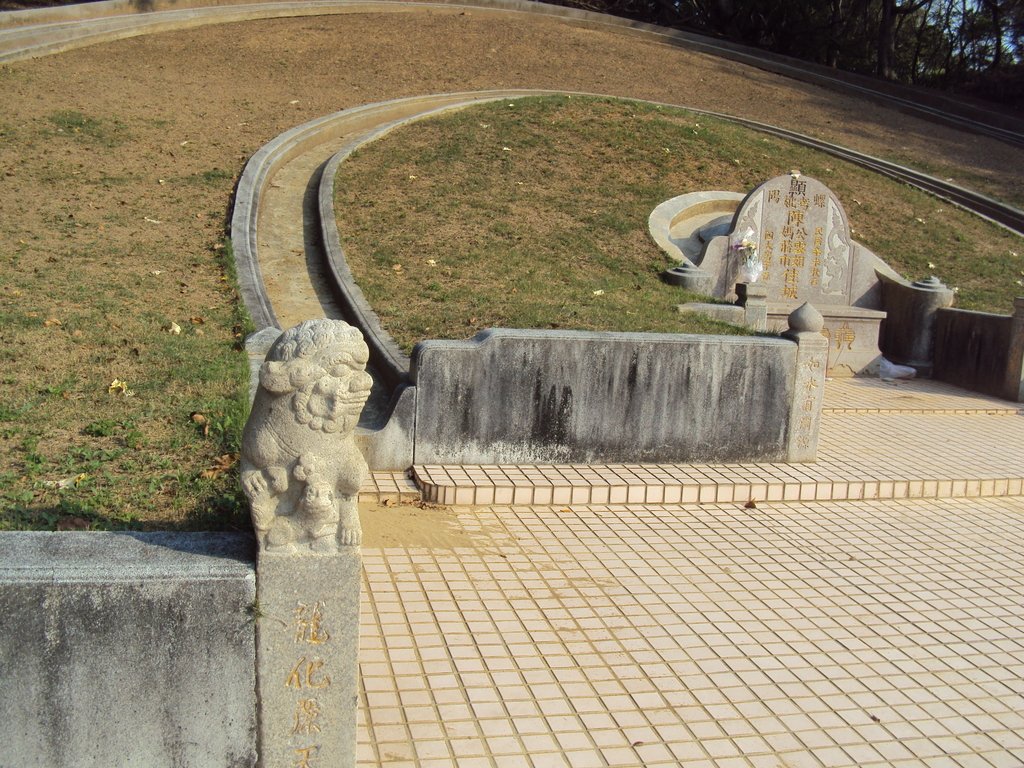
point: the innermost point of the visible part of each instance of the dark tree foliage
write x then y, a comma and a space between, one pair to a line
971, 46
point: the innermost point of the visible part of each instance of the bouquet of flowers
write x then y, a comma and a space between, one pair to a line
750, 264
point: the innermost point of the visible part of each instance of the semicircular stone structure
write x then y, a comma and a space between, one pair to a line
790, 237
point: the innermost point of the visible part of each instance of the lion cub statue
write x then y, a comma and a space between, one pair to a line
301, 469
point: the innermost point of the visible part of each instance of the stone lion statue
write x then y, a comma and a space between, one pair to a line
301, 469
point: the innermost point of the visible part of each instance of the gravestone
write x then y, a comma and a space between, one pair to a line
803, 238
801, 242
302, 470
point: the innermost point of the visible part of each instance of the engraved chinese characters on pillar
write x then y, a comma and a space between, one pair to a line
307, 679
810, 402
803, 237
805, 326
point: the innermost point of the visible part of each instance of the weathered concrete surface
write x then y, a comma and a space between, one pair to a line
127, 649
981, 351
511, 396
308, 635
908, 332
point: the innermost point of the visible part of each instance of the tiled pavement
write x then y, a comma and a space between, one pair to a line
824, 633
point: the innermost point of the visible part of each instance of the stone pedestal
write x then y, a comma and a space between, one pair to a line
690, 277
908, 333
754, 300
307, 641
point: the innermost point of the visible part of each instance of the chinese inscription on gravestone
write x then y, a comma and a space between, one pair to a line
803, 238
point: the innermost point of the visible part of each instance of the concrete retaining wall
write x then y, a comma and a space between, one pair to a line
122, 649
982, 352
512, 396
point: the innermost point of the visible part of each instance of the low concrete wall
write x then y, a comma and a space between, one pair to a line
982, 352
122, 649
513, 396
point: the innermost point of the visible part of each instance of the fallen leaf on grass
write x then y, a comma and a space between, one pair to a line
51, 321
200, 420
119, 387
197, 320
221, 465
67, 482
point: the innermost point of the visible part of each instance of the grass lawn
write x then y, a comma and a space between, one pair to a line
123, 387
533, 213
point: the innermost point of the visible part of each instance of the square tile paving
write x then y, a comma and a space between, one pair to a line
872, 633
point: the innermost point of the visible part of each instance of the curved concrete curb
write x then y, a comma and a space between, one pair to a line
355, 123
392, 362
245, 215
30, 35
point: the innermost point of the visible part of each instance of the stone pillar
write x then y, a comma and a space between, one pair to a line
753, 297
1013, 385
805, 324
307, 639
302, 470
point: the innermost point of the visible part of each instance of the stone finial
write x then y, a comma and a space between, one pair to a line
805, 318
301, 469
930, 284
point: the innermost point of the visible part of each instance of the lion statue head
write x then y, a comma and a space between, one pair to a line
321, 364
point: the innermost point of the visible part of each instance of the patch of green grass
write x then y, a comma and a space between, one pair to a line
77, 125
533, 213
213, 176
78, 455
